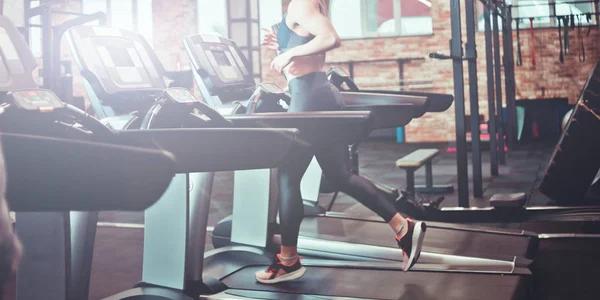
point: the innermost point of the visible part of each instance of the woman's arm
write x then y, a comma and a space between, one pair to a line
306, 13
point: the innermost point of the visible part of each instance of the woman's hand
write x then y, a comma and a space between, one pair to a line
281, 61
270, 39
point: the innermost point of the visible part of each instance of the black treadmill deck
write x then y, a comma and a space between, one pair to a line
330, 282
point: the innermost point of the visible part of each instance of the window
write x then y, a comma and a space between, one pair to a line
543, 12
35, 33
212, 16
134, 15
270, 12
376, 18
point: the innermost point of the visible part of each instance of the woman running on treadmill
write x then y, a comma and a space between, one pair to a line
10, 247
304, 36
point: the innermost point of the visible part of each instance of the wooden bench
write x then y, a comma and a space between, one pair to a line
413, 161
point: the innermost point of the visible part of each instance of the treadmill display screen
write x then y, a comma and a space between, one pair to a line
36, 100
181, 95
221, 58
120, 57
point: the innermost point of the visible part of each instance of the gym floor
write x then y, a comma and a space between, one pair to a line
117, 261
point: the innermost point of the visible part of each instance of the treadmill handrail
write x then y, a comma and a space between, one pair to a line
315, 127
81, 175
217, 149
367, 98
437, 102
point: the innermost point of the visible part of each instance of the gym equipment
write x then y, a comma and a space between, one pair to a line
551, 253
113, 92
55, 74
415, 160
567, 178
324, 233
38, 112
566, 118
348, 127
436, 103
234, 265
218, 93
571, 165
65, 173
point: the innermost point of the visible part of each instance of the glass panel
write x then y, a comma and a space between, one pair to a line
380, 17
144, 19
239, 34
35, 34
255, 35
537, 9
254, 9
415, 8
416, 25
212, 16
415, 16
270, 13
121, 14
256, 62
564, 8
14, 10
345, 16
237, 9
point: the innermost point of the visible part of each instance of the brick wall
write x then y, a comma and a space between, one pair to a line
559, 80
173, 20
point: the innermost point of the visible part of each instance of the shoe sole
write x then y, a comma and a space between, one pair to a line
287, 277
417, 244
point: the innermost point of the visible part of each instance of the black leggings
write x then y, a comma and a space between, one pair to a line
313, 92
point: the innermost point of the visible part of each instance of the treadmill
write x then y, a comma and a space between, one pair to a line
211, 273
159, 277
96, 166
231, 268
332, 235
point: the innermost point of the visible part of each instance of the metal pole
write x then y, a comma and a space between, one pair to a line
47, 52
489, 61
401, 72
471, 54
498, 75
509, 77
461, 139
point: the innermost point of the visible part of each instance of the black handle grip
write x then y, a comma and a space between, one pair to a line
439, 55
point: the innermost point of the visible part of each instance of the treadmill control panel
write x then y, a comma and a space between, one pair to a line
180, 95
36, 100
271, 88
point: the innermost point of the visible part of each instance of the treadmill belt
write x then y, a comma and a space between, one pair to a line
437, 240
387, 284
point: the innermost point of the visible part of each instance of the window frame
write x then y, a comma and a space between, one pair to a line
35, 33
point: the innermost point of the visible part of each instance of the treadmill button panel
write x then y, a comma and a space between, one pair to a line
36, 100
